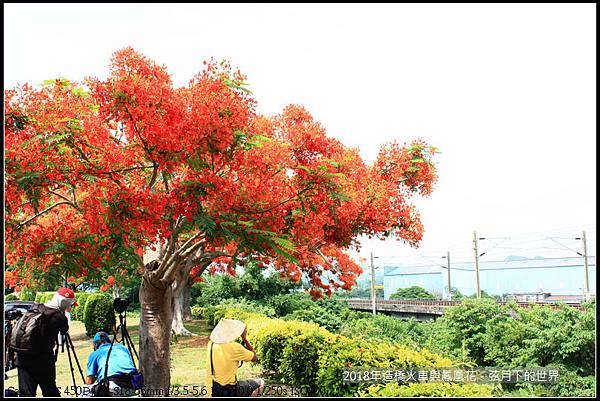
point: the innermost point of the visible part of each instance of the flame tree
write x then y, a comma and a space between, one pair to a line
99, 170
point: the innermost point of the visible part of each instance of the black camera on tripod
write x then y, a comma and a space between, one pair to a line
120, 304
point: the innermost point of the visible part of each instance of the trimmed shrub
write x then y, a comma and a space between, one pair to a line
98, 314
214, 313
300, 360
343, 352
308, 356
77, 313
288, 349
27, 295
198, 312
430, 390
42, 297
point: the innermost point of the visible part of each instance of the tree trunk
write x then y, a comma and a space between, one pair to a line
155, 335
181, 303
187, 298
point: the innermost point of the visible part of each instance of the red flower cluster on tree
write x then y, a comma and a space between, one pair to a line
97, 172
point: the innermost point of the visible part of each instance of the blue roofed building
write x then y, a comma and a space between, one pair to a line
514, 275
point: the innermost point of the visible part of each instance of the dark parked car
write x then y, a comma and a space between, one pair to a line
11, 308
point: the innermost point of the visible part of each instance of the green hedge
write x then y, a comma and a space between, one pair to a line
431, 390
214, 313
98, 314
198, 312
43, 297
342, 352
27, 295
77, 313
308, 356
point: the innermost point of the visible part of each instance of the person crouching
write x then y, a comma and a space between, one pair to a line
120, 366
224, 358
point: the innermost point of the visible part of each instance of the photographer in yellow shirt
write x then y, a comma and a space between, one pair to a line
223, 361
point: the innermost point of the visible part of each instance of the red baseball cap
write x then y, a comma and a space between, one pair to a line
67, 293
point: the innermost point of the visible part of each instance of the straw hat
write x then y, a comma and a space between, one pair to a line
226, 331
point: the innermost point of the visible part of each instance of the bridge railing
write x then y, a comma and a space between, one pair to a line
366, 302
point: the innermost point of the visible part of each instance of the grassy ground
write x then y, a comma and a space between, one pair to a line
188, 358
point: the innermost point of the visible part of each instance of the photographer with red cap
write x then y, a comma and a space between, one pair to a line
33, 340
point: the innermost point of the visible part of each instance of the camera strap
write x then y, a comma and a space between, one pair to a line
105, 380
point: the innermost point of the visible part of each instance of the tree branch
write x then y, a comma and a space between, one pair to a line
44, 211
125, 169
272, 207
318, 251
170, 247
144, 144
60, 196
74, 197
187, 244
170, 270
154, 176
165, 181
209, 256
185, 255
176, 260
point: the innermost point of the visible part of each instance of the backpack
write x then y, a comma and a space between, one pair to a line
30, 333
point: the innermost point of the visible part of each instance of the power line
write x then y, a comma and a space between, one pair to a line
495, 251
495, 268
566, 247
515, 244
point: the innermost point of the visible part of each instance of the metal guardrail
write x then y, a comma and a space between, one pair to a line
367, 303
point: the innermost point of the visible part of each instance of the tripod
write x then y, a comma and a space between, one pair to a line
125, 339
70, 347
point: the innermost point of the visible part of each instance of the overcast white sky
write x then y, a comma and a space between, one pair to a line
506, 92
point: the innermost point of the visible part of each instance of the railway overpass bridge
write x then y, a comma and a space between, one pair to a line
421, 310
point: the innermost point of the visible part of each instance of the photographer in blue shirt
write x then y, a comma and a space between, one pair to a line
120, 365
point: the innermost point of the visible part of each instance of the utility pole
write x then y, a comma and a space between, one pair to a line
373, 284
449, 284
585, 264
476, 262
586, 279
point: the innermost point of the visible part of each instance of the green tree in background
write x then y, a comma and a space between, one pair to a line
252, 285
361, 291
456, 294
414, 292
